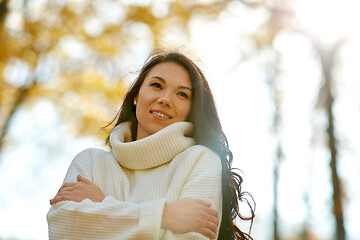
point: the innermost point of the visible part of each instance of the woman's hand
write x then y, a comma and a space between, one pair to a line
78, 191
190, 215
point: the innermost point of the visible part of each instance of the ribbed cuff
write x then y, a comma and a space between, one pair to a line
150, 219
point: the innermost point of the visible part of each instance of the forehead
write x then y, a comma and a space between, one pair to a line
171, 72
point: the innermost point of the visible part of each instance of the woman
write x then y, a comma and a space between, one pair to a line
168, 174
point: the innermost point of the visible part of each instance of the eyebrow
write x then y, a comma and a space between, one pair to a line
163, 81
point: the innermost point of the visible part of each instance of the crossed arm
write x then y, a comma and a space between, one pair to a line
182, 216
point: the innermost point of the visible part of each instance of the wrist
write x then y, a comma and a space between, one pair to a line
164, 220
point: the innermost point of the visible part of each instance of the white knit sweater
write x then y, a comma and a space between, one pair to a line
137, 178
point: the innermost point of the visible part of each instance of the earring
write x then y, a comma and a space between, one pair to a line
135, 102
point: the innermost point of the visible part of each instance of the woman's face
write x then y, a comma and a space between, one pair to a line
164, 98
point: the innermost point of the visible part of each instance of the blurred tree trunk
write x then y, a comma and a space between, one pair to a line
275, 183
327, 57
306, 233
21, 95
277, 161
21, 92
3, 11
272, 72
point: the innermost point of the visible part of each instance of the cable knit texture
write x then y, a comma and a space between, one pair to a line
138, 178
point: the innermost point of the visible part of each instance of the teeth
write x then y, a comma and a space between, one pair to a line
160, 114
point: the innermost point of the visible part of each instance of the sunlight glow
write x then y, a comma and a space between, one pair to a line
329, 20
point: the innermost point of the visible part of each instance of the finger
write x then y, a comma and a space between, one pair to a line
84, 180
207, 233
57, 199
64, 196
207, 204
209, 214
66, 190
211, 226
213, 220
212, 212
68, 184
208, 221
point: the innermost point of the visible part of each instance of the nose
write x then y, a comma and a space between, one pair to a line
164, 100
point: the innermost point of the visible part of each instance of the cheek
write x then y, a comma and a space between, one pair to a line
184, 110
142, 100
140, 108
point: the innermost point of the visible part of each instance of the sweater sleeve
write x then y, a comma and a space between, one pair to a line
203, 182
109, 219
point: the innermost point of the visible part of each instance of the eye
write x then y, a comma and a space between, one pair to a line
183, 94
157, 85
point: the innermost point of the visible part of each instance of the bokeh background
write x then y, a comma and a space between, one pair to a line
284, 73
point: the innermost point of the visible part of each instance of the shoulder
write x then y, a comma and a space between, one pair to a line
84, 163
204, 168
202, 156
89, 156
202, 152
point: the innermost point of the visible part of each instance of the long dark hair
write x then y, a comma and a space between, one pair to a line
207, 132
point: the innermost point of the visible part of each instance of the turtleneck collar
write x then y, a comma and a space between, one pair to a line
154, 150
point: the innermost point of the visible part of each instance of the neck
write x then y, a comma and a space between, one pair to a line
151, 151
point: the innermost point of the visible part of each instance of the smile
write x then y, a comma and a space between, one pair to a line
160, 114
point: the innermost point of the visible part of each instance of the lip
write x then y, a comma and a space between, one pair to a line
162, 112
